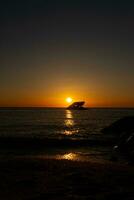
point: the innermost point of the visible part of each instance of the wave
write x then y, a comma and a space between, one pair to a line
29, 142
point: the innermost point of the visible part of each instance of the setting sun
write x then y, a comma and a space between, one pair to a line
69, 99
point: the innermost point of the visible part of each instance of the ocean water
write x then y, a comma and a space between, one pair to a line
59, 124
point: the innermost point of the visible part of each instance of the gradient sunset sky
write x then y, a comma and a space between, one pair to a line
50, 50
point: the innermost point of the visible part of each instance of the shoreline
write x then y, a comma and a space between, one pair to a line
25, 141
37, 178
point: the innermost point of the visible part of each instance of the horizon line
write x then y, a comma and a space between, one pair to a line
117, 107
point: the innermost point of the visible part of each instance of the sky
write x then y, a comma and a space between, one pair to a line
50, 50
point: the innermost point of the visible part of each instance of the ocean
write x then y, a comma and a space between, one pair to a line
66, 134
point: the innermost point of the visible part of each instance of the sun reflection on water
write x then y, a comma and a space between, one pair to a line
69, 118
68, 156
70, 132
69, 124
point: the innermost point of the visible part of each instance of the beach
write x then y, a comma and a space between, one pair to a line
34, 178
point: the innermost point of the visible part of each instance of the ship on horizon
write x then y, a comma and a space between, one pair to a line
77, 106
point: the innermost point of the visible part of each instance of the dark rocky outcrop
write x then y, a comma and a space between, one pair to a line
123, 125
123, 129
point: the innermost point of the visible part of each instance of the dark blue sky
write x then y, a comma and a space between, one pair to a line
50, 49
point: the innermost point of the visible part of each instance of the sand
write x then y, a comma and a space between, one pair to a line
37, 178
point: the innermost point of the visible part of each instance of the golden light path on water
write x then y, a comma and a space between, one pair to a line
69, 130
72, 156
69, 118
68, 156
69, 124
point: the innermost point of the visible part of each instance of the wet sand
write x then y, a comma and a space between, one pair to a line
37, 178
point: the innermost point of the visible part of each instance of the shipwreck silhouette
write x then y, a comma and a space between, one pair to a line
77, 106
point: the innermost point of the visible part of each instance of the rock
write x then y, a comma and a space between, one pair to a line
123, 125
123, 129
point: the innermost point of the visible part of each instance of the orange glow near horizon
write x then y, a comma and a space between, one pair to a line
62, 99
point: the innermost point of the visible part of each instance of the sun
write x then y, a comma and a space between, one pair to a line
69, 99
